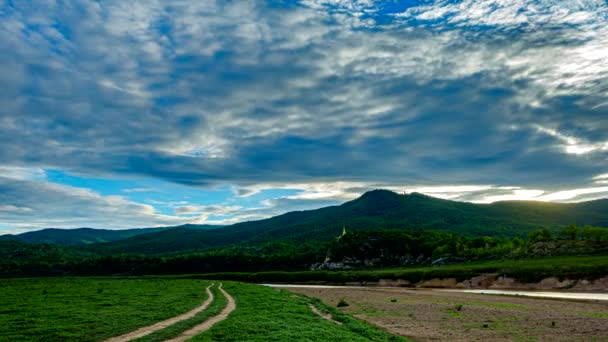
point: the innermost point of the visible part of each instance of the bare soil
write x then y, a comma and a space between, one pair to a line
427, 315
326, 317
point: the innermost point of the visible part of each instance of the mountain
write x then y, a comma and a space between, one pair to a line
84, 236
373, 210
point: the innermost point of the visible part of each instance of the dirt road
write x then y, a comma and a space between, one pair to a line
163, 324
206, 325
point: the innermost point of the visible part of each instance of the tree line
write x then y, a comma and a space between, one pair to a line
362, 248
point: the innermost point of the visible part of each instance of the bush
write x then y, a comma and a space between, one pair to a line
342, 303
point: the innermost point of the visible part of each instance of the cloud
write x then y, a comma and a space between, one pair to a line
510, 13
601, 177
12, 208
573, 194
573, 145
32, 204
22, 173
325, 97
206, 210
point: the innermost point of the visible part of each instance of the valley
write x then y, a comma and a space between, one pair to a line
388, 254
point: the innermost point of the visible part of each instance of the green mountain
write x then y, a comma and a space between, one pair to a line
374, 210
84, 236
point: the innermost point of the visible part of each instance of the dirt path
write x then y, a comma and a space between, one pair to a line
163, 324
206, 325
324, 316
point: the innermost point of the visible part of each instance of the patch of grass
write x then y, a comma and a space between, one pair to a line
453, 313
266, 314
342, 303
73, 309
498, 305
603, 315
372, 312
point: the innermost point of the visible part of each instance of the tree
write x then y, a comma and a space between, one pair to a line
570, 232
594, 234
540, 235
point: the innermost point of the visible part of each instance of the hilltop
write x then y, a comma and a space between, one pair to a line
374, 210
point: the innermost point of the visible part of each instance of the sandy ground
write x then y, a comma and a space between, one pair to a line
206, 325
163, 324
426, 315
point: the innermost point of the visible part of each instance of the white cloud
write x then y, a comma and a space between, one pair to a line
573, 194
8, 207
573, 145
510, 12
206, 210
601, 177
22, 173
515, 195
35, 204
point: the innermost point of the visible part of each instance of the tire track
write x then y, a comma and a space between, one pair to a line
163, 324
206, 325
324, 316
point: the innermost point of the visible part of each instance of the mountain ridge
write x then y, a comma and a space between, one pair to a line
85, 235
380, 209
373, 210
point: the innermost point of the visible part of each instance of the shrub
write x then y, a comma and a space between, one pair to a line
342, 303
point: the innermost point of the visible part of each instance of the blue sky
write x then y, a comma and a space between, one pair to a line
122, 114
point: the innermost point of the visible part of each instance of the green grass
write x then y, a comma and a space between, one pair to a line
497, 305
90, 309
266, 314
603, 315
176, 329
94, 309
525, 270
453, 313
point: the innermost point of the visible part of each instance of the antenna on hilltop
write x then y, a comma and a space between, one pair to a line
343, 232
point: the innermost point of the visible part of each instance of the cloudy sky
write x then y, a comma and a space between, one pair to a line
143, 113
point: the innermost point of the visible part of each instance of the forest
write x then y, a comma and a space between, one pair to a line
356, 249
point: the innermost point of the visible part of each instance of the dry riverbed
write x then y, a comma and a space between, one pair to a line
427, 315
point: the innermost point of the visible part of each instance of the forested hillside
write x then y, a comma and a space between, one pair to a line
382, 229
85, 236
379, 209
352, 249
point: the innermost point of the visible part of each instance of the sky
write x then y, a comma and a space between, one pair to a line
117, 114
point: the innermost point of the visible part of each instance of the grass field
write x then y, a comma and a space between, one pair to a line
267, 314
525, 270
90, 309
94, 309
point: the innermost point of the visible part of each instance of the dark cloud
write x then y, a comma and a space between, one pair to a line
204, 93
